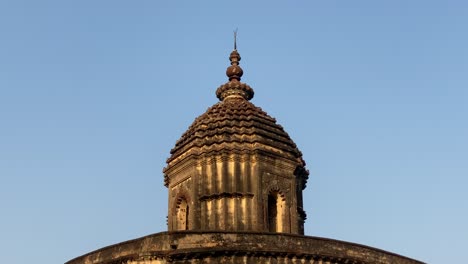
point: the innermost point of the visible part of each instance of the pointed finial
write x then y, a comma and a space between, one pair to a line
234, 72
234, 88
235, 39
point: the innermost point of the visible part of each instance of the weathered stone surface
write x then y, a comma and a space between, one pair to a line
239, 124
235, 168
235, 181
238, 247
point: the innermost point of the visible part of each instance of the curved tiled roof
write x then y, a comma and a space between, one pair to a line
261, 247
234, 123
236, 120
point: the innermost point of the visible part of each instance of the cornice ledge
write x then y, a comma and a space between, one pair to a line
217, 196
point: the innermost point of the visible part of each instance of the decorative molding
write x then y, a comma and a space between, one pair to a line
180, 181
277, 190
182, 194
230, 148
226, 195
302, 214
303, 175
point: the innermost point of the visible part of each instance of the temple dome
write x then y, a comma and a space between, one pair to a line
235, 124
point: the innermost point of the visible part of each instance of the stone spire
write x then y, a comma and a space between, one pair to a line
234, 88
234, 72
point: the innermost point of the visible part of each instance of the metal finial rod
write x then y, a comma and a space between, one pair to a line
235, 39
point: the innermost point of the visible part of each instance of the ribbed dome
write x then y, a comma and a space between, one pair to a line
237, 121
235, 124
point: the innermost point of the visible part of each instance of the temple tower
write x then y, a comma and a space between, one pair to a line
235, 168
235, 181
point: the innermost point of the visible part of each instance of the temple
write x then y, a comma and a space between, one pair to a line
235, 181
235, 168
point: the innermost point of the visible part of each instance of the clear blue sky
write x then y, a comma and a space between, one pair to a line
94, 94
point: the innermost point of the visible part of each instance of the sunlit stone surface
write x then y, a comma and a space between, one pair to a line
235, 181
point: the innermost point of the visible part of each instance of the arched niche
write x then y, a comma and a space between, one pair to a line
182, 211
276, 211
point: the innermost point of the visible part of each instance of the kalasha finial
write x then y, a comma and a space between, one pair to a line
234, 88
234, 72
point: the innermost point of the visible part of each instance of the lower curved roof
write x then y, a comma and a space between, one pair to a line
237, 246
